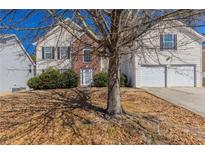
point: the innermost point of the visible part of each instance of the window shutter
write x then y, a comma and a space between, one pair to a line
53, 53
58, 52
43, 53
175, 42
68, 52
161, 42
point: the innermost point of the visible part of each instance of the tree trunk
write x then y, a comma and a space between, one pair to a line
114, 104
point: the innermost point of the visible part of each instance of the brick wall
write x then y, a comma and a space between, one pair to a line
77, 56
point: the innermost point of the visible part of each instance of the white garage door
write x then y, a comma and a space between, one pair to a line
180, 76
152, 76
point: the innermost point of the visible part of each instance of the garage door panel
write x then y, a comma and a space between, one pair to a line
180, 76
152, 76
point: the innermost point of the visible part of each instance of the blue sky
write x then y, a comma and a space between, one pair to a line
22, 35
201, 29
27, 37
36, 19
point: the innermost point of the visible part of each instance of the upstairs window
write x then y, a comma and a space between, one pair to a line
168, 41
86, 55
48, 53
63, 52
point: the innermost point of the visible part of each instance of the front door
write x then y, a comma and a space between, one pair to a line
86, 77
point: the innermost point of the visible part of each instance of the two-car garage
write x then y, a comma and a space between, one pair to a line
168, 76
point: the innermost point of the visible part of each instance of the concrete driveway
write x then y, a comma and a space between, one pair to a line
190, 98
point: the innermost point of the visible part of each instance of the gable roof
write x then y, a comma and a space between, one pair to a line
11, 37
193, 31
200, 37
55, 28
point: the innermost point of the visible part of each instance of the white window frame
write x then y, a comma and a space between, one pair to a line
60, 56
48, 52
86, 49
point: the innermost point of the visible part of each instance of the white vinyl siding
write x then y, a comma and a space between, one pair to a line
16, 68
57, 38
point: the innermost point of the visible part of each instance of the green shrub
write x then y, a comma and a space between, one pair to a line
123, 80
69, 79
53, 79
34, 83
101, 80
49, 79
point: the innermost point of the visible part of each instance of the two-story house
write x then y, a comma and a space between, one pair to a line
61, 50
171, 56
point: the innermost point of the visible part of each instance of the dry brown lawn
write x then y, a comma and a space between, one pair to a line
77, 116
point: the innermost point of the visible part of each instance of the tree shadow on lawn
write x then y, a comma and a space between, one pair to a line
43, 111
69, 116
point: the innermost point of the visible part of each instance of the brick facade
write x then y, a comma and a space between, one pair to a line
77, 54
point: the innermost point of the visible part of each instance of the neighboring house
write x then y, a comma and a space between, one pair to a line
59, 49
16, 66
172, 58
203, 63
